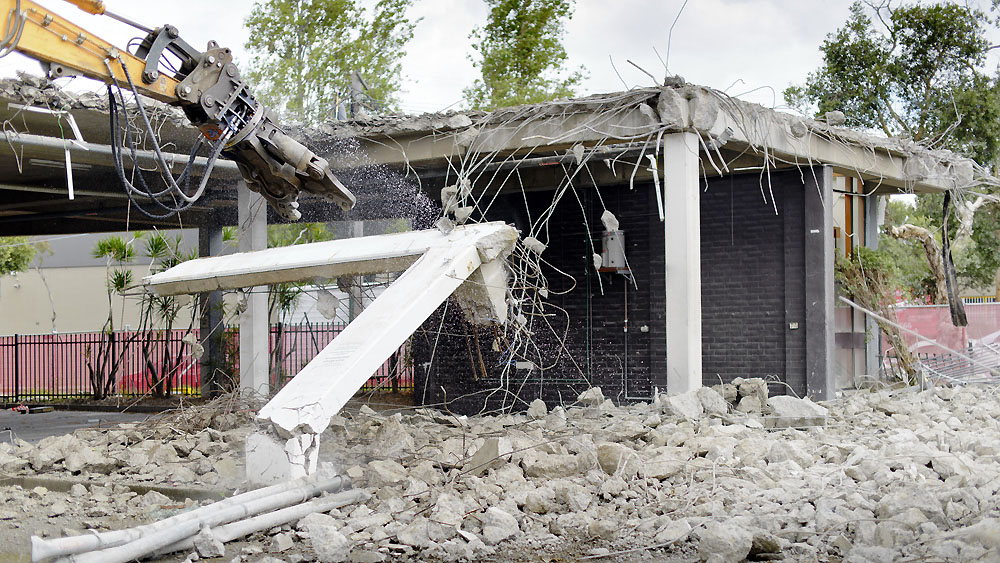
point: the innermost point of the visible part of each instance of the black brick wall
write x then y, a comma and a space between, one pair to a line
745, 251
752, 278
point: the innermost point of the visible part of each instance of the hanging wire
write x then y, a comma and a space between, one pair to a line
178, 197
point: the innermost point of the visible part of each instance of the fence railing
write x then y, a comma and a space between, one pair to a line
977, 299
57, 366
950, 368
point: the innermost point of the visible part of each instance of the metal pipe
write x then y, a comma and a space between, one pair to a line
55, 547
190, 526
240, 528
144, 157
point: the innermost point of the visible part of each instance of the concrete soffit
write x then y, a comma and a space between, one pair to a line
464, 142
469, 262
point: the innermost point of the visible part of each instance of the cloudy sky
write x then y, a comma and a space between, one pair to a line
751, 48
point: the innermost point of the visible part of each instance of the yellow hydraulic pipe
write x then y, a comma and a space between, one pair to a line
90, 6
49, 37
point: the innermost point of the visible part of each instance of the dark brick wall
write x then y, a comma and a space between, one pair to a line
745, 251
752, 278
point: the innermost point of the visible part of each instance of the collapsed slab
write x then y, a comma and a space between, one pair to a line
470, 257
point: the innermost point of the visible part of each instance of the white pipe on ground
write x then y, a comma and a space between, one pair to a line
55, 547
240, 528
159, 539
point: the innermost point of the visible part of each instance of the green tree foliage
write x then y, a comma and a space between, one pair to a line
303, 52
871, 279
522, 56
916, 71
16, 254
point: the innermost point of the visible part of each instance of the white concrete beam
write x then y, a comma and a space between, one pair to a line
326, 260
682, 232
287, 443
254, 323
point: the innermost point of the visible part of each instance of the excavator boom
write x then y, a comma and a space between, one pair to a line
207, 85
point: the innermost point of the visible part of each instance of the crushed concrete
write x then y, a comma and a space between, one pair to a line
874, 476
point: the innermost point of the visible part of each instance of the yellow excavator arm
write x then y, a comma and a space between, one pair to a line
206, 85
48, 37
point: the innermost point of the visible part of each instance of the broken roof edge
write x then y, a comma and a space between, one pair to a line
890, 164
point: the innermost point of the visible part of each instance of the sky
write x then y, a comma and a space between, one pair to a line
749, 48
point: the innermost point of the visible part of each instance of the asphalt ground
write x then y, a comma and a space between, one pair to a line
34, 427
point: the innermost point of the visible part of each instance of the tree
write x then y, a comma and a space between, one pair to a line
104, 363
303, 52
522, 56
871, 279
915, 71
16, 254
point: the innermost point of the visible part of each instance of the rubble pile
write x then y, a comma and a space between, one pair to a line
721, 474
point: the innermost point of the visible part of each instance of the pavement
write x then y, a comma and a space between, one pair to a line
34, 427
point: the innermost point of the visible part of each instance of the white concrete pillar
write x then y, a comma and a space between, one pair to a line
254, 324
682, 229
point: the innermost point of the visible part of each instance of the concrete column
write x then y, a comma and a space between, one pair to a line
819, 254
874, 215
212, 329
682, 231
254, 324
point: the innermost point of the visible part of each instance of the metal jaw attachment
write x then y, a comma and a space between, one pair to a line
218, 101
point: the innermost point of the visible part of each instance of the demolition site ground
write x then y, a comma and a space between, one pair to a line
721, 474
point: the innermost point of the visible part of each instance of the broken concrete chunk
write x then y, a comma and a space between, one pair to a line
207, 546
462, 214
449, 197
616, 459
711, 401
672, 531
537, 409
603, 529
784, 411
672, 109
685, 405
488, 456
609, 220
552, 465
385, 472
393, 439
281, 543
724, 543
534, 245
729, 391
835, 118
704, 109
592, 397
749, 405
665, 464
798, 128
753, 387
498, 525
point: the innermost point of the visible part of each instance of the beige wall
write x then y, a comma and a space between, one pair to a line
77, 295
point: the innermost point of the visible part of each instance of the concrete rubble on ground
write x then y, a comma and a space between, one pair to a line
722, 474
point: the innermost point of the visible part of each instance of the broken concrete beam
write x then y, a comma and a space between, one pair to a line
318, 392
324, 260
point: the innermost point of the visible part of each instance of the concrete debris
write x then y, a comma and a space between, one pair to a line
208, 546
724, 542
591, 397
891, 475
788, 412
537, 409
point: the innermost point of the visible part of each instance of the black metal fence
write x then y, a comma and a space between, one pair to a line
69, 365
